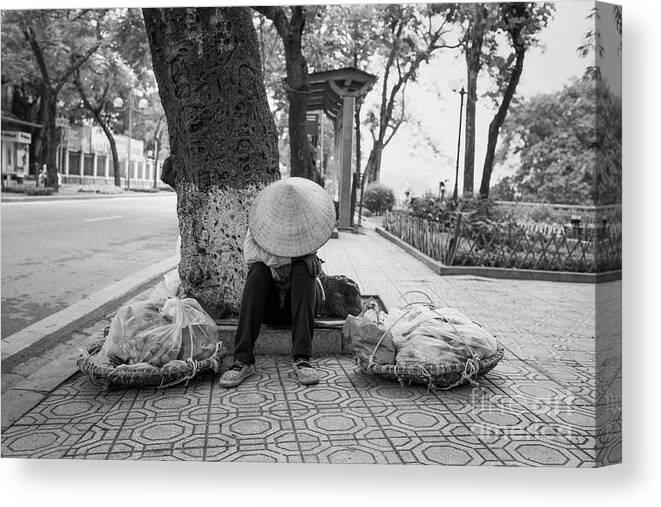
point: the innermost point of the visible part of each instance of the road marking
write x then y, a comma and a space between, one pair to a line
103, 218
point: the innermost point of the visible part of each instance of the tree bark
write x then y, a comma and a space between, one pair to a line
298, 86
51, 138
356, 176
37, 145
497, 121
223, 141
475, 38
113, 153
374, 161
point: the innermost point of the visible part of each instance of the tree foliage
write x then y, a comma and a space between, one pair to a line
521, 22
55, 43
378, 198
568, 147
409, 36
73, 63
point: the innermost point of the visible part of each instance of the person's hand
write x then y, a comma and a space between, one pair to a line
314, 264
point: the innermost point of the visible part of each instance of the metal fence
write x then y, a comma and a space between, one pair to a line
463, 242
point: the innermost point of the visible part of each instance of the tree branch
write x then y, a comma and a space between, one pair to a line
402, 118
95, 110
389, 63
30, 36
75, 66
297, 22
279, 18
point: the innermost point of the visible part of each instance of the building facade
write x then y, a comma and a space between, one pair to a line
87, 160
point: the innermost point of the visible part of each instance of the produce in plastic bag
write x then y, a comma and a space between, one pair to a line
365, 331
423, 335
141, 333
199, 333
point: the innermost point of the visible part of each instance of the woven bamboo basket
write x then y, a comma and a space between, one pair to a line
435, 376
109, 376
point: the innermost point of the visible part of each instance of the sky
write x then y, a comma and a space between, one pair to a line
411, 162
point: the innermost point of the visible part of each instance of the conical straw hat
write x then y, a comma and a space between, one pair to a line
292, 217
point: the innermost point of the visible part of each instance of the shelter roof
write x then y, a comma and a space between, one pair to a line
327, 88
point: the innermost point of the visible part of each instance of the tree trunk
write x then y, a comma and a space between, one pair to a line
469, 135
96, 113
297, 82
51, 137
37, 145
223, 141
473, 64
113, 147
497, 122
356, 177
374, 161
297, 93
157, 148
113, 152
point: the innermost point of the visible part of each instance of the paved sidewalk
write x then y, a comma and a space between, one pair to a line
537, 407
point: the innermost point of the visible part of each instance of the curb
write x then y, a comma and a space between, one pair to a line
502, 273
78, 197
41, 335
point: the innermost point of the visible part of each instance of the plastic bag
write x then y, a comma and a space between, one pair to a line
168, 287
199, 333
365, 332
142, 333
436, 336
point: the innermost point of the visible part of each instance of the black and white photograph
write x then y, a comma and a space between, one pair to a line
383, 234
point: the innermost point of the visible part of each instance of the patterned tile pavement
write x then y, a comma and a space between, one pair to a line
536, 408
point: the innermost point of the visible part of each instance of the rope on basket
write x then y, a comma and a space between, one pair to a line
192, 363
429, 303
471, 368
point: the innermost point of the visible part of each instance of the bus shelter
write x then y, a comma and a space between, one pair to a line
334, 92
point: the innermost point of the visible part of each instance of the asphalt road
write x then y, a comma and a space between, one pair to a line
56, 253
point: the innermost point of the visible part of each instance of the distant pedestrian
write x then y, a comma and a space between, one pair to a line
43, 176
288, 222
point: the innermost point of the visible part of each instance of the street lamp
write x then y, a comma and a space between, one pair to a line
462, 92
142, 105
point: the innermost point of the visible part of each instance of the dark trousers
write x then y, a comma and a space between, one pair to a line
261, 303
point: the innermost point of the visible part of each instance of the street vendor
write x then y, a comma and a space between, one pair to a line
288, 222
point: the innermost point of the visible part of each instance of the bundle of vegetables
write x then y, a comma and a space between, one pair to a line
440, 347
161, 341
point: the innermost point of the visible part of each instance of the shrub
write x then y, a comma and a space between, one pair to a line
15, 189
40, 191
101, 189
29, 190
542, 214
378, 198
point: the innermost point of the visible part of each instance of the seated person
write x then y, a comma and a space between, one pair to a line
288, 222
